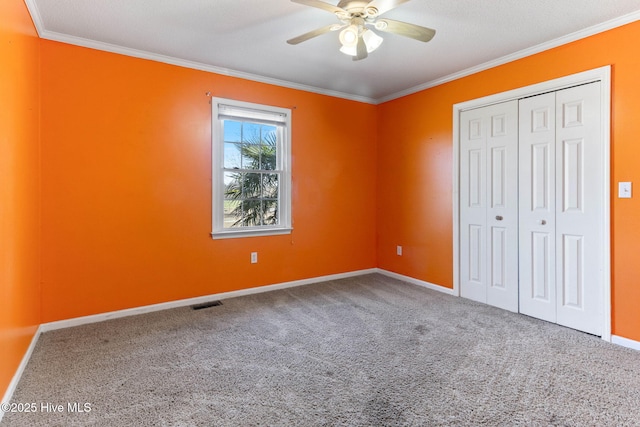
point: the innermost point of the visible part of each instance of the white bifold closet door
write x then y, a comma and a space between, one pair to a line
560, 207
531, 206
489, 205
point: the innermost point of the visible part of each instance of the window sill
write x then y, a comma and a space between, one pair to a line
254, 232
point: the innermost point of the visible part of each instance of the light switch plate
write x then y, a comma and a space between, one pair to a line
624, 190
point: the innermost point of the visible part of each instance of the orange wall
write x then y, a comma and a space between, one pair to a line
19, 186
415, 159
126, 184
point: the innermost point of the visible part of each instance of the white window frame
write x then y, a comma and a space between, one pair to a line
260, 113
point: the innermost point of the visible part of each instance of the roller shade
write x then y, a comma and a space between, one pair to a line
232, 112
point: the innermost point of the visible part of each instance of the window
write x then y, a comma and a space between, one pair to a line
251, 169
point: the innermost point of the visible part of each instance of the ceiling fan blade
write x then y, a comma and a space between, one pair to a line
361, 50
320, 5
417, 32
385, 5
314, 33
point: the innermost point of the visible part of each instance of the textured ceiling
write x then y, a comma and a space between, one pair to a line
247, 38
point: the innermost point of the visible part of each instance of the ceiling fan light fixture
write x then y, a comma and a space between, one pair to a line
349, 50
371, 40
349, 36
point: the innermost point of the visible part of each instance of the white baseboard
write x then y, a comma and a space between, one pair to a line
23, 364
417, 282
77, 321
625, 342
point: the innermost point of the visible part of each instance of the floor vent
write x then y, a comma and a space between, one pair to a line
206, 305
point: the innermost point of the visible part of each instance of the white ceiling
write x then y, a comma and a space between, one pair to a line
247, 38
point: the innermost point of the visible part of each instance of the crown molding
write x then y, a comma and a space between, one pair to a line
587, 32
107, 47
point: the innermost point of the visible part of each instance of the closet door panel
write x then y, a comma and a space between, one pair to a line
537, 202
579, 200
488, 205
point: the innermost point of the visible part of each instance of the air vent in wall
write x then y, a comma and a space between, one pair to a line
206, 305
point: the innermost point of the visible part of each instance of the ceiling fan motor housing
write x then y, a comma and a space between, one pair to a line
356, 9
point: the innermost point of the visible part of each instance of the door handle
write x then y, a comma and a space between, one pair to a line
499, 217
543, 222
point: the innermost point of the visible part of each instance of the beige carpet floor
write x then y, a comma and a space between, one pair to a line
364, 351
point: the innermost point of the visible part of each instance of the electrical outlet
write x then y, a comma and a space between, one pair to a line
254, 257
399, 250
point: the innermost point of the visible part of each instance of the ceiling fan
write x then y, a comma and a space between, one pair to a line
358, 19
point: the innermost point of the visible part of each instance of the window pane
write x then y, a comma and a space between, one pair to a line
251, 133
269, 135
232, 212
252, 212
232, 185
251, 199
251, 186
269, 143
270, 185
270, 211
251, 156
232, 131
268, 160
231, 156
